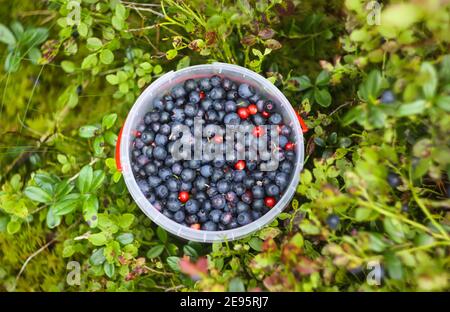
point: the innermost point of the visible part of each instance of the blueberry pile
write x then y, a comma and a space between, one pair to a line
210, 194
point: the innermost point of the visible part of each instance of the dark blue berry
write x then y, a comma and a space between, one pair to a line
276, 119
394, 179
205, 84
214, 215
226, 218
164, 173
217, 93
333, 221
387, 97
154, 181
173, 205
209, 226
218, 202
244, 218
245, 91
258, 191
190, 85
161, 191
192, 206
206, 171
188, 175
272, 190
179, 216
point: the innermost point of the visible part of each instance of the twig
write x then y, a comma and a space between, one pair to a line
340, 107
93, 161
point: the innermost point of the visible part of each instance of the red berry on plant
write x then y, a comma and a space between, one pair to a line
269, 201
183, 196
239, 165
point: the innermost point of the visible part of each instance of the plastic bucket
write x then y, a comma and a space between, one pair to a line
143, 104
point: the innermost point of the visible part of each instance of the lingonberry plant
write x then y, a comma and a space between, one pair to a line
371, 211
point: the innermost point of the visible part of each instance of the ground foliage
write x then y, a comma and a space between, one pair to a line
375, 187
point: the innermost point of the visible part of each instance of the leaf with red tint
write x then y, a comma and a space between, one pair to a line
194, 269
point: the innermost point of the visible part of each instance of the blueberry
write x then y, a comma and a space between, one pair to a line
164, 173
177, 168
258, 204
211, 191
155, 126
333, 221
190, 110
157, 205
158, 104
206, 171
165, 130
169, 161
245, 91
219, 163
258, 191
254, 98
178, 92
138, 143
226, 218
205, 84
202, 216
206, 205
244, 218
247, 198
192, 206
231, 119
251, 165
173, 184
143, 185
248, 182
230, 106
209, 226
282, 179
276, 119
147, 137
226, 84
179, 216
215, 81
286, 167
190, 85
159, 153
387, 97
169, 106
286, 130
218, 202
185, 186
272, 190
167, 213
188, 175
206, 104
239, 175
178, 115
212, 116
214, 215
217, 93
194, 163
161, 139
191, 219
239, 189
255, 215
258, 119
223, 186
231, 197
282, 141
161, 191
258, 175
173, 205
269, 106
151, 169
154, 181
168, 97
393, 179
201, 196
233, 224
218, 105
232, 95
142, 160
241, 207
200, 183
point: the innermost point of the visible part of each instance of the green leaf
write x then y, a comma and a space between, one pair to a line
109, 269
299, 83
118, 22
97, 257
90, 210
106, 56
68, 66
112, 79
34, 36
363, 214
98, 145
162, 235
98, 239
171, 54
190, 251
89, 61
37, 194
13, 227
236, 285
109, 120
125, 238
370, 89
443, 102
12, 62
94, 44
85, 178
395, 230
323, 78
155, 251
110, 138
125, 220
88, 131
322, 97
35, 55
52, 219
66, 204
183, 62
97, 180
6, 36
174, 263
255, 243
430, 80
394, 266
414, 108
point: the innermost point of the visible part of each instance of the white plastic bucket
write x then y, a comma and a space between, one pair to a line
165, 83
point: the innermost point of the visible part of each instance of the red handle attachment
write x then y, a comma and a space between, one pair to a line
118, 163
302, 123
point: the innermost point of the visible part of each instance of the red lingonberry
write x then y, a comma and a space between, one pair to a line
239, 165
183, 196
269, 202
